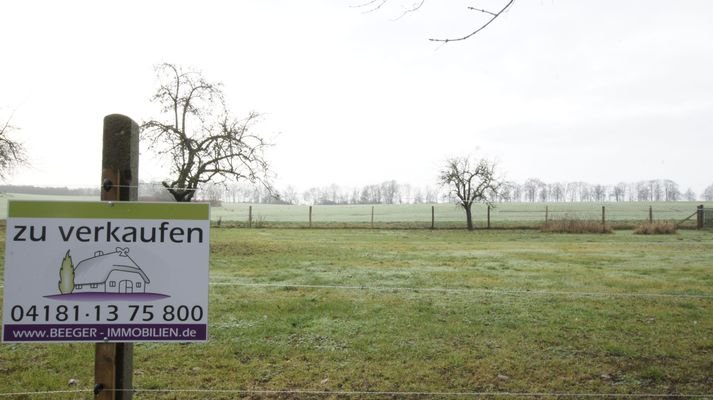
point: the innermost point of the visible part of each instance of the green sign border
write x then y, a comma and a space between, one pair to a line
107, 210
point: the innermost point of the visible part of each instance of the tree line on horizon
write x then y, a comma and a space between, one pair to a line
532, 190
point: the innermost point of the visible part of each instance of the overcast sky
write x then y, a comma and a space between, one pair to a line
598, 91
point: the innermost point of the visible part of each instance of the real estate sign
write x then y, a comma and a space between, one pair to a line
106, 272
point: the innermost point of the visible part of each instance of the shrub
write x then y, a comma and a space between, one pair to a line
656, 228
574, 225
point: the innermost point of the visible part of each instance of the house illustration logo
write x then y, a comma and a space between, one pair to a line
104, 274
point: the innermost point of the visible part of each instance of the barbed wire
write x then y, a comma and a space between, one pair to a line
512, 292
387, 393
44, 392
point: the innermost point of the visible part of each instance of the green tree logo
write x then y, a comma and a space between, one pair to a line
66, 275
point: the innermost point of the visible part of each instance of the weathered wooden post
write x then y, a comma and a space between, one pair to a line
604, 214
651, 214
700, 218
547, 213
488, 216
433, 217
113, 362
250, 216
372, 217
310, 216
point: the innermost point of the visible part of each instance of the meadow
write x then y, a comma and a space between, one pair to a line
361, 313
448, 216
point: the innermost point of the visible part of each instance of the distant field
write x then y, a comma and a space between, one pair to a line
385, 314
504, 215
448, 215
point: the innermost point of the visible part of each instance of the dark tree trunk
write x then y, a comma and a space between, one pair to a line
469, 217
181, 195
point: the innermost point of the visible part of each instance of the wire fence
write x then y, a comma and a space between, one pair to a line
470, 291
620, 215
449, 216
305, 393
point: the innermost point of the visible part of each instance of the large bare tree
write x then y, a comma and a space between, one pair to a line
470, 180
199, 137
486, 16
12, 152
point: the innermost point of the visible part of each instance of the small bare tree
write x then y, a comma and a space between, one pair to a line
12, 153
202, 141
708, 193
470, 180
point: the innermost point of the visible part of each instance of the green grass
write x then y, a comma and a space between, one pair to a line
343, 310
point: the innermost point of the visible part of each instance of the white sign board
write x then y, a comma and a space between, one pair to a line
106, 272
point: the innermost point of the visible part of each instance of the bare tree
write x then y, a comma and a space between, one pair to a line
708, 193
470, 180
671, 190
643, 192
12, 153
556, 192
289, 195
489, 14
532, 189
599, 193
656, 190
202, 141
619, 191
690, 195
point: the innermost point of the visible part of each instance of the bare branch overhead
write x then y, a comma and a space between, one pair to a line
375, 5
494, 16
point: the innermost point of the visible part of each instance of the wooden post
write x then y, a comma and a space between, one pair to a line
372, 217
310, 216
114, 362
700, 218
547, 213
604, 219
488, 216
250, 216
433, 217
651, 215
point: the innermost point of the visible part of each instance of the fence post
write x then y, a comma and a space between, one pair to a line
604, 219
547, 213
310, 216
700, 217
372, 217
250, 216
433, 217
651, 214
488, 216
114, 362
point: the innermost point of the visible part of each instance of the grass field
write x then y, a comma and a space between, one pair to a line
344, 313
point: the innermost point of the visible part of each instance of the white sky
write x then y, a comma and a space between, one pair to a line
599, 91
